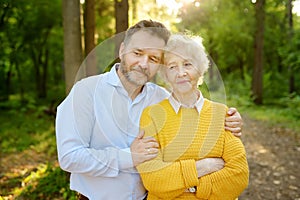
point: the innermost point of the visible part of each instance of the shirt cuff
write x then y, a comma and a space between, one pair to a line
125, 160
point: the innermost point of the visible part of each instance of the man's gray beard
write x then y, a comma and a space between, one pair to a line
128, 77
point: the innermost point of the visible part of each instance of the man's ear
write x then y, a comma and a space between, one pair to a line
121, 49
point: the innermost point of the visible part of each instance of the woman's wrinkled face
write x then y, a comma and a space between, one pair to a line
181, 73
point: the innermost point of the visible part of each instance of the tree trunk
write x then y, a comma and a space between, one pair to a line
257, 79
289, 7
72, 41
40, 60
5, 78
40, 56
89, 38
121, 16
20, 82
43, 87
89, 26
36, 54
39, 67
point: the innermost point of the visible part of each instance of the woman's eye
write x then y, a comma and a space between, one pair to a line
172, 66
188, 64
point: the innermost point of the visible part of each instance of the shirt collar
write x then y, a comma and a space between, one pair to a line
176, 105
113, 77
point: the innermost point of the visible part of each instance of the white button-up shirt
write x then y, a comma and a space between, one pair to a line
95, 126
176, 105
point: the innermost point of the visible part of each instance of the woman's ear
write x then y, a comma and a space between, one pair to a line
200, 81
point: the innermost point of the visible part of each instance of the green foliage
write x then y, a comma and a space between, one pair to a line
26, 127
238, 90
228, 30
293, 105
48, 183
31, 40
29, 127
220, 24
274, 115
104, 19
29, 123
290, 52
281, 111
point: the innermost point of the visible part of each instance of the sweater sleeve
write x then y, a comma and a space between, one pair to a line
229, 182
165, 180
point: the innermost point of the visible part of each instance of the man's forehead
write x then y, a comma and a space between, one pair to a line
144, 40
148, 49
145, 50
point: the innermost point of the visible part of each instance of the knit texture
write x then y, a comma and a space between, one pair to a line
184, 138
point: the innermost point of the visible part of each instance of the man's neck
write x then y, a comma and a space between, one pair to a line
132, 89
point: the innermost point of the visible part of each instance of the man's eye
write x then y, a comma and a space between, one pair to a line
137, 53
154, 60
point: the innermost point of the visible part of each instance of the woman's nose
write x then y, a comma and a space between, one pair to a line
181, 71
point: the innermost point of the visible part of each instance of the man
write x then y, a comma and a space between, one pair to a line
97, 125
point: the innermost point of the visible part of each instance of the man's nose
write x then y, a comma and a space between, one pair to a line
144, 61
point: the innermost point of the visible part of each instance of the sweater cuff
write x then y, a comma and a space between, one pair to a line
204, 188
189, 173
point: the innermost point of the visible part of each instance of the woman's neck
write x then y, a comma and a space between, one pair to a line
187, 99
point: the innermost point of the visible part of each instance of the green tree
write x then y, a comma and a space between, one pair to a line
220, 24
26, 35
39, 23
229, 28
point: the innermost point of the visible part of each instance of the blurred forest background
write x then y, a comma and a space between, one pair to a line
255, 45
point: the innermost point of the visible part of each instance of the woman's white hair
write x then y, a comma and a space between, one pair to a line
190, 47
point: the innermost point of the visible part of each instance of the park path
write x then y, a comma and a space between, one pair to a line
274, 161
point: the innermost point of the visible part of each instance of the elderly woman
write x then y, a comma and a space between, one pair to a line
190, 129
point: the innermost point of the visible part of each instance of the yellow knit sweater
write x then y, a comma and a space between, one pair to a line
184, 138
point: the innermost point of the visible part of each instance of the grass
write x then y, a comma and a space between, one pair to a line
27, 128
23, 129
49, 182
273, 116
284, 112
